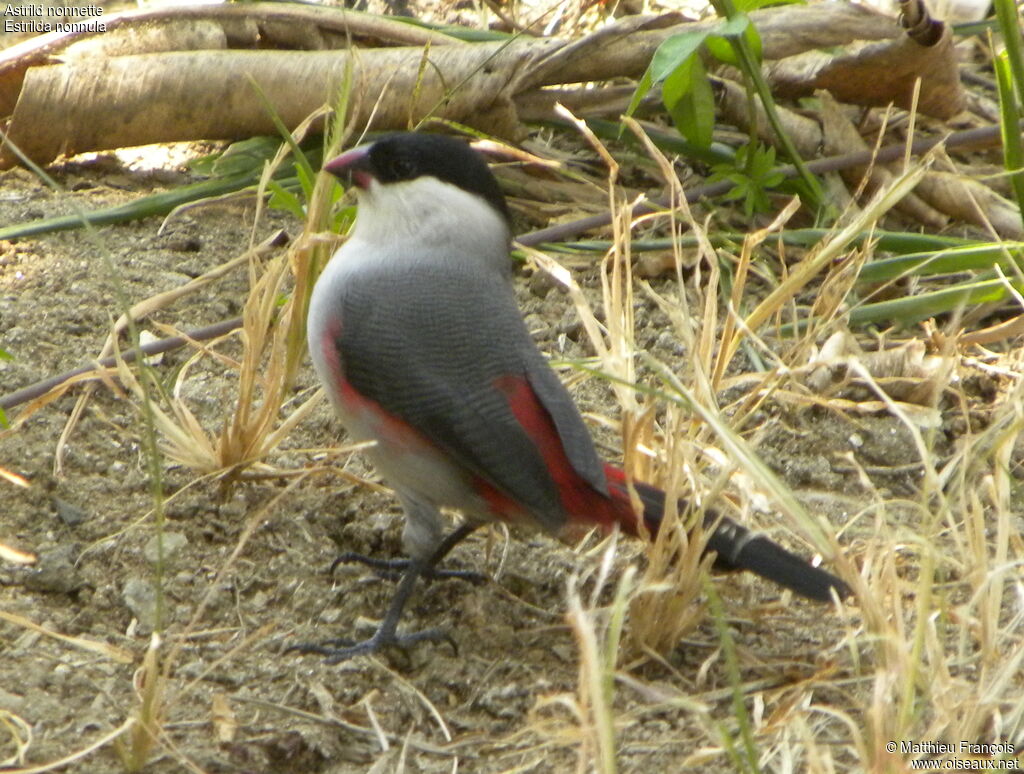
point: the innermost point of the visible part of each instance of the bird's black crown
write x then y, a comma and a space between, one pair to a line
408, 155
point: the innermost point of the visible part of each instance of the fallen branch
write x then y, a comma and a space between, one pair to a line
99, 102
204, 27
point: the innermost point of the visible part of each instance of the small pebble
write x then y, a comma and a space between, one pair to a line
140, 597
173, 543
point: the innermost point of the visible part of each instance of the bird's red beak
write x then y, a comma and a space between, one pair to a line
353, 165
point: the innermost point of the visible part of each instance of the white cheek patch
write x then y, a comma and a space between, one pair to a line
429, 217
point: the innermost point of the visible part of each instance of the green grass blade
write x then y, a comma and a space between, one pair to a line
147, 206
1009, 26
977, 257
912, 309
303, 167
1009, 110
887, 241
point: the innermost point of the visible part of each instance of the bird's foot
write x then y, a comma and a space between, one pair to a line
393, 569
342, 649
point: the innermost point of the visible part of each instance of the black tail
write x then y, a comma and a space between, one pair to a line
737, 548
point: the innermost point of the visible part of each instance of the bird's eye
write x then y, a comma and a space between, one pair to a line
402, 168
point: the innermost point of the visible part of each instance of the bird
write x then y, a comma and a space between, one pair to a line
416, 335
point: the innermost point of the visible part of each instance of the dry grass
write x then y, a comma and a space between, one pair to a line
930, 649
273, 349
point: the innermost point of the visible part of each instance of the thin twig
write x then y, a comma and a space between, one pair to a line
129, 356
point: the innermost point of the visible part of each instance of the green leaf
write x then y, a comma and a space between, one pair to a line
686, 91
283, 199
739, 190
693, 112
642, 89
678, 84
245, 156
723, 45
343, 217
722, 50
753, 38
753, 173
734, 26
674, 52
761, 161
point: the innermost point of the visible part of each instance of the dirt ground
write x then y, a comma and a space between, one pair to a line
237, 702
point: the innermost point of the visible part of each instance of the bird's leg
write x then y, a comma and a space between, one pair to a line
423, 535
387, 635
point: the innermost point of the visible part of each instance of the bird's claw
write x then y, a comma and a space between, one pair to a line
342, 649
392, 569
